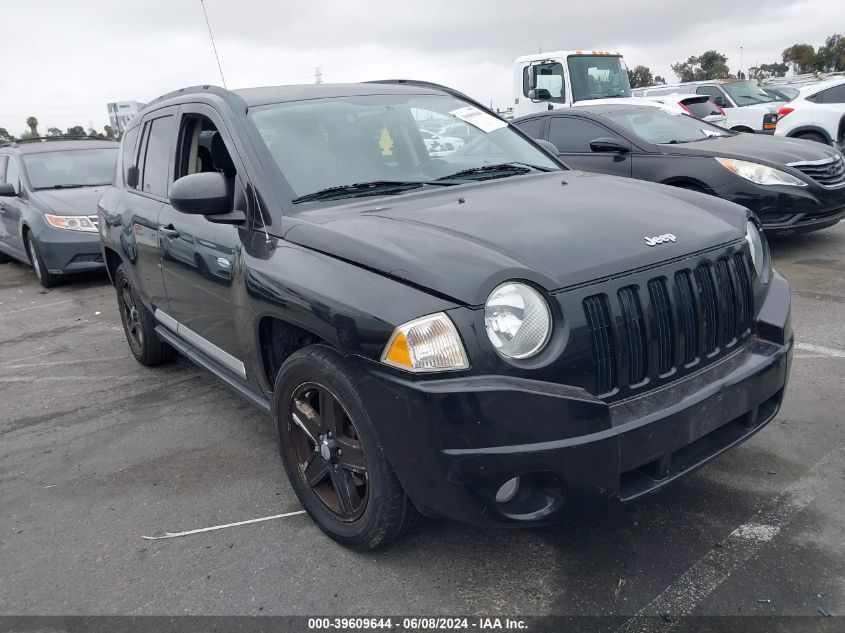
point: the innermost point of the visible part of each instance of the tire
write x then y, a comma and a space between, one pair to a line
375, 509
139, 324
45, 277
4, 259
813, 136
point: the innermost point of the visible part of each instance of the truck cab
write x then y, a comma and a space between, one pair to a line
561, 79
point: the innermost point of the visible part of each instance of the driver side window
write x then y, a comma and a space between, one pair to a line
202, 149
12, 175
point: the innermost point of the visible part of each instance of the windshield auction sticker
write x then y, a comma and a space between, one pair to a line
478, 118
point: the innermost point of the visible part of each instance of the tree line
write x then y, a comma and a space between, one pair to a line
802, 58
77, 130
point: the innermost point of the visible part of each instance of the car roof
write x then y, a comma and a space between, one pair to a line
35, 147
598, 110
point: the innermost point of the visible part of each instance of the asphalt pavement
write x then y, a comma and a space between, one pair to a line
97, 451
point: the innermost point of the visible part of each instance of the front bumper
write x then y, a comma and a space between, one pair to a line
454, 442
67, 252
788, 210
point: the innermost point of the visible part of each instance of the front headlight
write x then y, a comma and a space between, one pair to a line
428, 344
755, 245
760, 174
71, 222
517, 320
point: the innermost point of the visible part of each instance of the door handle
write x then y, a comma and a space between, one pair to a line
168, 231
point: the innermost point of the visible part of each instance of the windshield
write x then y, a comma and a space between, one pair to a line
340, 142
71, 168
656, 126
598, 77
746, 93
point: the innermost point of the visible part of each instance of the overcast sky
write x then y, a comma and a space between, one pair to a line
64, 60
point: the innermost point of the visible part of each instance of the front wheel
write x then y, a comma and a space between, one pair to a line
139, 324
45, 277
334, 461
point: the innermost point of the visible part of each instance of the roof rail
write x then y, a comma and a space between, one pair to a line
63, 137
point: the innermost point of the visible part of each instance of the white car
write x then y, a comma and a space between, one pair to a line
747, 107
697, 106
816, 114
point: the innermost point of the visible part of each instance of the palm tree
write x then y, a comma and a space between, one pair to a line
32, 122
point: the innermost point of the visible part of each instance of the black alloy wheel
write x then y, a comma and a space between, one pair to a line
333, 457
139, 324
131, 317
327, 446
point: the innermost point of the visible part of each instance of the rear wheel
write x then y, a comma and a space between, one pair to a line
4, 259
812, 136
45, 277
139, 324
332, 456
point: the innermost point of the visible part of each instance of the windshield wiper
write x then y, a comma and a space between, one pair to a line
65, 186
373, 188
488, 172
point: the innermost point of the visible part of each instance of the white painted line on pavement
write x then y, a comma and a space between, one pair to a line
35, 307
820, 349
221, 527
690, 589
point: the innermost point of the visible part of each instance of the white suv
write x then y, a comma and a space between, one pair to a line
817, 114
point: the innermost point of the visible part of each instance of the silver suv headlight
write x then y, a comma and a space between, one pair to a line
755, 245
517, 319
760, 174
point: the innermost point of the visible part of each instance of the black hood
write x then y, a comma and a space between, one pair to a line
556, 229
75, 201
758, 148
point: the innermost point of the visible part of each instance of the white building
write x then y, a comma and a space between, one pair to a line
120, 114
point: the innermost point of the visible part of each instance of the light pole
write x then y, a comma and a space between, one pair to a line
740, 60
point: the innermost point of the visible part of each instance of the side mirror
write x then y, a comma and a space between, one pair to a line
608, 145
721, 102
539, 94
547, 145
205, 193
132, 176
7, 190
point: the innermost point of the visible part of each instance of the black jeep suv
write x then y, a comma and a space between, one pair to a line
48, 204
483, 334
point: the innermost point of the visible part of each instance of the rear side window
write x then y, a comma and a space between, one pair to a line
156, 154
714, 92
2, 168
832, 95
532, 127
128, 150
570, 134
701, 109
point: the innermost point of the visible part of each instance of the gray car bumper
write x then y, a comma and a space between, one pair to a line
66, 252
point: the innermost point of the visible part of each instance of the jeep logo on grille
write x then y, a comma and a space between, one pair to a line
659, 239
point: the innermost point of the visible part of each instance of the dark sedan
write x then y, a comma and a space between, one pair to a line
792, 185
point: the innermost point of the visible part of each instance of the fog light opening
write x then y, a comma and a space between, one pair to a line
508, 490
